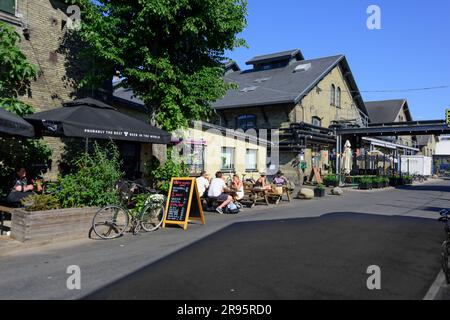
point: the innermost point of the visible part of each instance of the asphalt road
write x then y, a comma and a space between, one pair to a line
311, 258
303, 250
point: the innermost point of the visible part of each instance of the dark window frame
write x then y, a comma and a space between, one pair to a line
316, 121
9, 8
244, 118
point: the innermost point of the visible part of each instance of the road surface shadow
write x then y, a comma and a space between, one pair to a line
311, 258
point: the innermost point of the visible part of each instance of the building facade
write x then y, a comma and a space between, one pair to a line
42, 26
212, 148
284, 89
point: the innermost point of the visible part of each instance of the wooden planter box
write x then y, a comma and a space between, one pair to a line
61, 224
378, 185
319, 193
365, 186
331, 184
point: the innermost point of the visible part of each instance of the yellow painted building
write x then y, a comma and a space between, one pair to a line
214, 148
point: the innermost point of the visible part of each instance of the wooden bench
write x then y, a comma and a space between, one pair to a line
4, 210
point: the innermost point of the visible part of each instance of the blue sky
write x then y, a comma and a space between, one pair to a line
412, 50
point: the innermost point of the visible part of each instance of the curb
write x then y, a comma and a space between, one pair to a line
439, 290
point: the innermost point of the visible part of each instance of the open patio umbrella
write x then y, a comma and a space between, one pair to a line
12, 125
90, 118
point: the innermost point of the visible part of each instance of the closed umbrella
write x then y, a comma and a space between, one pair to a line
90, 118
347, 158
12, 125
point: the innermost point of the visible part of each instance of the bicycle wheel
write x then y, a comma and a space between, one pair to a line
151, 219
110, 222
445, 265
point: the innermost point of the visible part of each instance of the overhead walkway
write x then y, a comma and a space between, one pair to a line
434, 127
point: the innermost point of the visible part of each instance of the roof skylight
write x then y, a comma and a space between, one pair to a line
248, 89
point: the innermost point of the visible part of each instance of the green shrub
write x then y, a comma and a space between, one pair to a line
320, 187
366, 180
330, 179
93, 183
40, 202
174, 167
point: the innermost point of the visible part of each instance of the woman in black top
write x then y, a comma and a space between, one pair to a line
21, 188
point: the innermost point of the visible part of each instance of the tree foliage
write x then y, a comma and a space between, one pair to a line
170, 52
16, 74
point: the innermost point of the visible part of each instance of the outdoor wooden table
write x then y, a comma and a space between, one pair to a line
257, 195
288, 191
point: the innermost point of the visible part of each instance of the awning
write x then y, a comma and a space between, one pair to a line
13, 125
93, 119
388, 145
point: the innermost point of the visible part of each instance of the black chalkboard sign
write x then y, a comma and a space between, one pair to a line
183, 203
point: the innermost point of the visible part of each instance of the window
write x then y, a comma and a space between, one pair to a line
246, 121
316, 121
332, 95
196, 158
8, 6
338, 97
227, 158
251, 159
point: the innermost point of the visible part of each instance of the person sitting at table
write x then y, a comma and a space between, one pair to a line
238, 186
203, 183
217, 190
280, 180
21, 188
262, 183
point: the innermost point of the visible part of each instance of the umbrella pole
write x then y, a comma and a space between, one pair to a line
86, 146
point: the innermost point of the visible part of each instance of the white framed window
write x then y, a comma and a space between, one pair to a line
196, 158
227, 157
338, 97
8, 6
332, 95
251, 160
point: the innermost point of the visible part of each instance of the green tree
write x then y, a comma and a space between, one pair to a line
16, 74
170, 52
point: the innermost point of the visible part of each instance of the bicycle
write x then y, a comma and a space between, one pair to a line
112, 221
444, 213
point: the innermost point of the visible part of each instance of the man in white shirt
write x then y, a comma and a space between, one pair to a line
217, 190
203, 183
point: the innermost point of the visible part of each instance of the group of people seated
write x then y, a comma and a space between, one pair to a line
218, 190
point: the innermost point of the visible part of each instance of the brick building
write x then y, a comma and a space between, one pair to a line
43, 25
284, 89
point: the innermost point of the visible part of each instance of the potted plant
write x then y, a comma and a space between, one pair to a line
408, 180
395, 180
365, 183
377, 182
319, 191
331, 180
386, 182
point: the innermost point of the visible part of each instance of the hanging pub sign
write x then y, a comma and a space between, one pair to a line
183, 203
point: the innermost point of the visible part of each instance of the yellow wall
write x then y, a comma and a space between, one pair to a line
317, 102
215, 140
